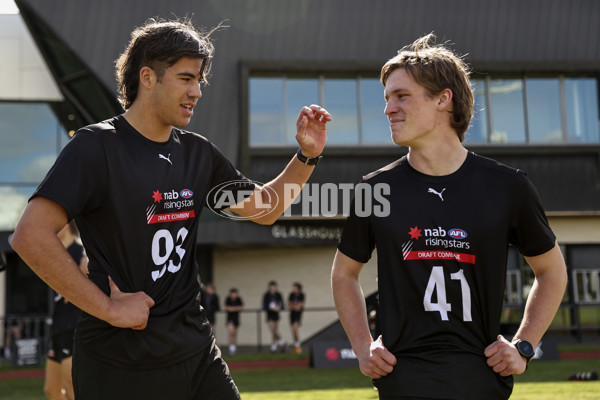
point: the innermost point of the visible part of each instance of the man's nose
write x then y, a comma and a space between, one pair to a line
195, 92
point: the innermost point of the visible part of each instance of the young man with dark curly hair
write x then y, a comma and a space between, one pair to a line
136, 184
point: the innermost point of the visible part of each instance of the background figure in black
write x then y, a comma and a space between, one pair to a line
233, 306
58, 383
296, 306
273, 304
210, 302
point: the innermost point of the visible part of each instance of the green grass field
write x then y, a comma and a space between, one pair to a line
545, 380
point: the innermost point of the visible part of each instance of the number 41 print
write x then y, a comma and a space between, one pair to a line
437, 283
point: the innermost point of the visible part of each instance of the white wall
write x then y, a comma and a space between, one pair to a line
23, 72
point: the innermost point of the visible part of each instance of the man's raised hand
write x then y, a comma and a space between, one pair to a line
312, 130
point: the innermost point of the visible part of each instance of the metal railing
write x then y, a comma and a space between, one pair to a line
24, 338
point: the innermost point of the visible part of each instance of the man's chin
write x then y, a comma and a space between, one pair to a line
397, 139
182, 124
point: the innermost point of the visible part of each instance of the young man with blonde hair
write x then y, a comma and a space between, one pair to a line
442, 247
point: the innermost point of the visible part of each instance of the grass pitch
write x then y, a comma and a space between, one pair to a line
544, 380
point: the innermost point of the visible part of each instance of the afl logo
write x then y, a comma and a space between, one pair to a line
186, 193
457, 233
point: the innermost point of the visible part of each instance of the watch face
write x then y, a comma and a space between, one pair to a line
525, 348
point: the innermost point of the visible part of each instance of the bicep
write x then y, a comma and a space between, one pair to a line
41, 215
345, 267
551, 261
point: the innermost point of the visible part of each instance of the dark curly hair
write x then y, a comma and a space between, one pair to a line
159, 44
437, 68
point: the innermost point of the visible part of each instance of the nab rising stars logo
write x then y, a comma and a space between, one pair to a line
435, 238
170, 200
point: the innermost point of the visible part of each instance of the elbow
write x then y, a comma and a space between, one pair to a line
268, 219
18, 240
563, 277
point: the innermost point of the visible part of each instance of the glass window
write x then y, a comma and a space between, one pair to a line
341, 101
298, 93
375, 127
508, 122
266, 111
357, 106
543, 110
29, 141
477, 132
581, 101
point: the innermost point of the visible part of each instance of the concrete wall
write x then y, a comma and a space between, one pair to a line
576, 229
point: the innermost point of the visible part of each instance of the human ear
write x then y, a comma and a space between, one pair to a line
147, 77
444, 99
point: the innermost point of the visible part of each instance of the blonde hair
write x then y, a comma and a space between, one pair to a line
436, 68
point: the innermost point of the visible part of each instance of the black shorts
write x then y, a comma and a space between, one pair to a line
272, 316
295, 316
61, 346
233, 320
202, 377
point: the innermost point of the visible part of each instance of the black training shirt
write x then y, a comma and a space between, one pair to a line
137, 204
442, 244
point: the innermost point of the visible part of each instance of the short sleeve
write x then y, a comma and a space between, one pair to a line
529, 229
223, 172
357, 240
77, 178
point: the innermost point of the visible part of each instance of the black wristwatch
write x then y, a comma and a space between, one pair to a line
525, 349
306, 160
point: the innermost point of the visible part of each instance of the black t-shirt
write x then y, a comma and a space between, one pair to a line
270, 302
66, 314
442, 256
210, 302
295, 298
229, 301
137, 205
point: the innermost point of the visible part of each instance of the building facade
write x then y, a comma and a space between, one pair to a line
535, 74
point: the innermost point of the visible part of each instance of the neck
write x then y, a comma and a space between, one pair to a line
440, 159
146, 125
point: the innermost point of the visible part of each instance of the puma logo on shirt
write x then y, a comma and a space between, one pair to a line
168, 158
439, 194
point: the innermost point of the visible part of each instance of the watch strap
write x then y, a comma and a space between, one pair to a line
307, 160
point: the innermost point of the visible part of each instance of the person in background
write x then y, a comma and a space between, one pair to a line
233, 306
58, 381
273, 305
296, 307
210, 303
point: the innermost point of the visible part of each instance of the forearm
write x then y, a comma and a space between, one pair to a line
544, 300
35, 240
350, 304
55, 266
280, 193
